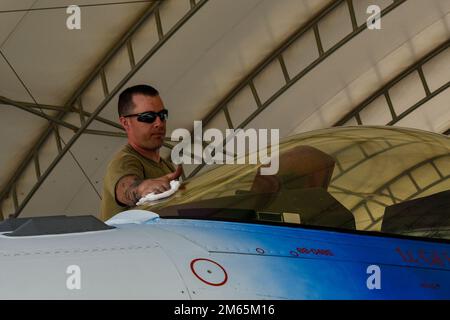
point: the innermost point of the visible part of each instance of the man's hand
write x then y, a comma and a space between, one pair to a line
158, 185
130, 189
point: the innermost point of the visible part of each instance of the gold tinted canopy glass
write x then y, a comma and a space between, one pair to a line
380, 179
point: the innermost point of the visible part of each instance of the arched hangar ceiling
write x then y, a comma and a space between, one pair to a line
293, 65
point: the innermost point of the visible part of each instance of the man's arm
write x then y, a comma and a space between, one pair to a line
131, 188
126, 190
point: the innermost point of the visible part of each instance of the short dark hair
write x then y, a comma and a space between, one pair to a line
126, 105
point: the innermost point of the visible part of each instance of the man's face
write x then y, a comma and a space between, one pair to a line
149, 136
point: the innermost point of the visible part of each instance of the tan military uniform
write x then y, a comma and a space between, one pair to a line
128, 162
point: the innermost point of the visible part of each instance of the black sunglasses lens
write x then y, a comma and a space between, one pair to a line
164, 114
147, 117
150, 117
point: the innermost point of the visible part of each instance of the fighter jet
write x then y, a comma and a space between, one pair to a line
353, 213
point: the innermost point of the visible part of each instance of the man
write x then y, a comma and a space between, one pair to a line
138, 169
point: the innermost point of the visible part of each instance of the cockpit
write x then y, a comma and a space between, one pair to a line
388, 180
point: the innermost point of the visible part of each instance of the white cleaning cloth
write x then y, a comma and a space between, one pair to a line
174, 185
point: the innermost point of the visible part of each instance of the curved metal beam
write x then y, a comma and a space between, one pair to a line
30, 107
384, 91
277, 55
53, 120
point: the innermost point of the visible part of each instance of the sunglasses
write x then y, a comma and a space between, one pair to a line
150, 116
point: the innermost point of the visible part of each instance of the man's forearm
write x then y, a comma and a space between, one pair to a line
132, 188
132, 195
127, 190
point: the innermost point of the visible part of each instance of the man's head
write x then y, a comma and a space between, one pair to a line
137, 100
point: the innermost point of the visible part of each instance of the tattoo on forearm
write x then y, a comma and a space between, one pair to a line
131, 193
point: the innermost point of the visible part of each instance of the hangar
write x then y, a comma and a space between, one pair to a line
293, 65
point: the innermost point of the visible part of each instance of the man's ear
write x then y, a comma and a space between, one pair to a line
124, 122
